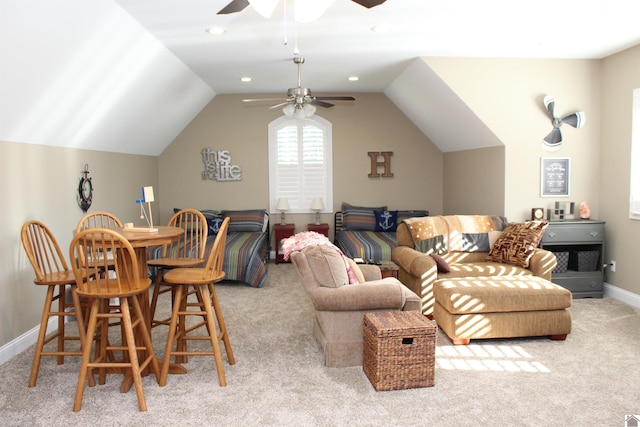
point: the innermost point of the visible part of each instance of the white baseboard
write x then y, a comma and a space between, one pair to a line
622, 295
24, 341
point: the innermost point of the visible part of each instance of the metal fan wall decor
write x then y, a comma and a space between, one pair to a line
554, 139
300, 101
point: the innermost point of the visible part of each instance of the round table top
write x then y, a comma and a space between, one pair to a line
139, 237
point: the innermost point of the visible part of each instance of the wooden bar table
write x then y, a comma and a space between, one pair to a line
141, 239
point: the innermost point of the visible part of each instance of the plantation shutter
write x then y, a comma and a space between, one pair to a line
300, 163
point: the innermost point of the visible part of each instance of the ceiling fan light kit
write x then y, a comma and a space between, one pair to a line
554, 139
300, 102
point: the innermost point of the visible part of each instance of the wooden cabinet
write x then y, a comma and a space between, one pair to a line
319, 228
579, 247
282, 231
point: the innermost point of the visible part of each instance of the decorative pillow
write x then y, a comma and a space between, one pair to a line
517, 242
251, 220
356, 270
443, 266
327, 266
386, 220
359, 217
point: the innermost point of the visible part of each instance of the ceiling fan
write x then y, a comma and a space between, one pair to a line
554, 138
239, 5
299, 100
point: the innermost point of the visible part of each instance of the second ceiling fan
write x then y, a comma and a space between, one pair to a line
239, 5
300, 102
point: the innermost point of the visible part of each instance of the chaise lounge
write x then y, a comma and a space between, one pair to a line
481, 277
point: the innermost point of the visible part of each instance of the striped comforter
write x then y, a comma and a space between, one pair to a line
244, 257
369, 245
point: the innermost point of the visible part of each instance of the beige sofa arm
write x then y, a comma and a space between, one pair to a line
542, 263
377, 295
370, 272
413, 262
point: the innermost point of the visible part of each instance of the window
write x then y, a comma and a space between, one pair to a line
300, 163
634, 199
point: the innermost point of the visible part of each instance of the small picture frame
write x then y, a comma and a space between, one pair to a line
554, 176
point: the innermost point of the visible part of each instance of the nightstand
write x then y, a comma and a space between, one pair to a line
282, 231
319, 228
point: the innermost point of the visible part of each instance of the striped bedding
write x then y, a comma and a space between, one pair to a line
244, 257
369, 245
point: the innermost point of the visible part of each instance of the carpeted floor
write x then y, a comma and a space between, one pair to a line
588, 380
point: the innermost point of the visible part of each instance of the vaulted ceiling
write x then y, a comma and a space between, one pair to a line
129, 75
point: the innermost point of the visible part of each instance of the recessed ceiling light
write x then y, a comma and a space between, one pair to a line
215, 30
382, 28
245, 79
354, 78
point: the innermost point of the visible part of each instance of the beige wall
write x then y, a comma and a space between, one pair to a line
620, 75
40, 182
372, 123
474, 182
507, 94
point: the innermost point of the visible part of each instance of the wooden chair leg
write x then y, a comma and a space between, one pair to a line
164, 372
224, 336
42, 333
132, 352
86, 355
215, 343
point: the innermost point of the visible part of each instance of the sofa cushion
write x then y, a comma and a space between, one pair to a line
482, 269
500, 294
359, 217
386, 220
517, 243
327, 266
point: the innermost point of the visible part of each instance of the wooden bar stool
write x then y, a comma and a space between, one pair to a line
124, 283
201, 281
186, 251
51, 270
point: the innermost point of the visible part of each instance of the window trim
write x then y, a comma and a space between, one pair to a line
326, 128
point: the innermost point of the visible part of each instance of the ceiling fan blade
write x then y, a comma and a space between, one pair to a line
265, 100
273, 107
233, 7
319, 103
554, 137
549, 104
576, 119
336, 98
369, 3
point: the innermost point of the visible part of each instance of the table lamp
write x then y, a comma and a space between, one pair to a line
283, 205
317, 205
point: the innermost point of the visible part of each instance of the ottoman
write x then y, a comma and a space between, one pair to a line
501, 307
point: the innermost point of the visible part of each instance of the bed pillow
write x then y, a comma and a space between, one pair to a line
386, 220
359, 218
248, 220
517, 243
402, 215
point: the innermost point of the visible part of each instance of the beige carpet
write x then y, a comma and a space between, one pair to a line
591, 379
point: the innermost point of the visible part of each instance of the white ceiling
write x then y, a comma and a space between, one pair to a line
129, 75
341, 43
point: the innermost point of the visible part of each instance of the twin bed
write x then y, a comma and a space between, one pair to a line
369, 232
247, 247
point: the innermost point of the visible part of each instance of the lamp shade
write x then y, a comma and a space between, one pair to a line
283, 204
317, 204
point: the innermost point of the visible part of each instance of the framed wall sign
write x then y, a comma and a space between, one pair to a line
554, 176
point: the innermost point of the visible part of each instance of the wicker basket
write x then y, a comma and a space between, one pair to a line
399, 350
563, 261
584, 260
